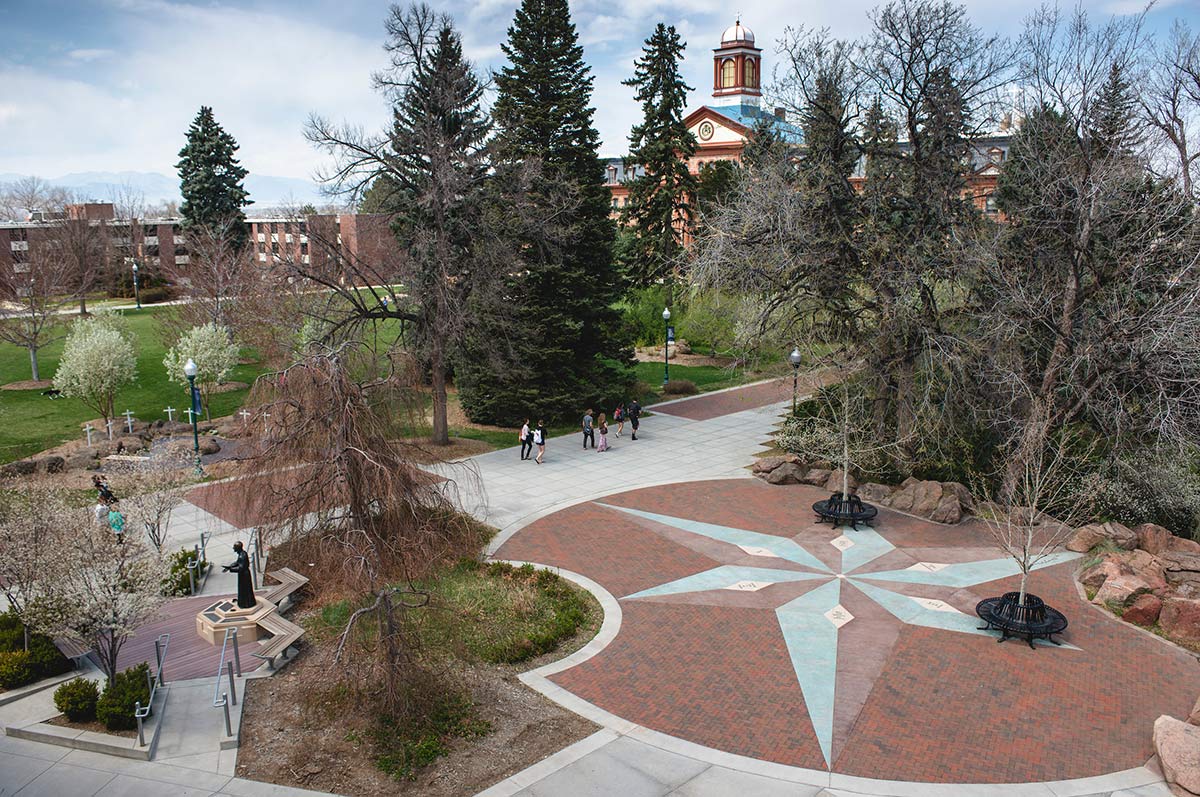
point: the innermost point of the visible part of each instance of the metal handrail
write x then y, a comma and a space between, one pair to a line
226, 668
140, 712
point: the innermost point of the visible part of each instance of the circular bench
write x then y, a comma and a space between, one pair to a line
839, 510
1032, 619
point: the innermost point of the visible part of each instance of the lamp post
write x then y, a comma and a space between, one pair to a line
189, 370
666, 344
794, 358
137, 295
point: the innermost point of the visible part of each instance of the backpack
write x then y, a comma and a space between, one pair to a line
617, 414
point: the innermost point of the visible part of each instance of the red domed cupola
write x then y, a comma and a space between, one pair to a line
737, 68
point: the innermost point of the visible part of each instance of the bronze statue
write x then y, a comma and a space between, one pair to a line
241, 566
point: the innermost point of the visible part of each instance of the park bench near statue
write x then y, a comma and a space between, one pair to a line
840, 510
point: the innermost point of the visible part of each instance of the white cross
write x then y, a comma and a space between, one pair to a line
129, 419
170, 411
109, 424
266, 424
88, 430
245, 416
190, 412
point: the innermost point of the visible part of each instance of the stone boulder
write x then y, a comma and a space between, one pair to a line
209, 445
130, 444
23, 467
768, 464
1194, 717
1144, 609
1147, 567
1181, 568
875, 493
1088, 537
834, 483
785, 473
927, 499
1152, 538
1118, 592
816, 476
1095, 576
965, 499
52, 464
83, 459
1180, 619
1178, 746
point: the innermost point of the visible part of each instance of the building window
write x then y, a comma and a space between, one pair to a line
989, 204
181, 260
750, 81
996, 155
152, 250
728, 73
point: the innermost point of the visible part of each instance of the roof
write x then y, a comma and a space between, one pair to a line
738, 34
748, 115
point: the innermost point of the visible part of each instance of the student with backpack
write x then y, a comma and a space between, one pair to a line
619, 417
539, 440
635, 412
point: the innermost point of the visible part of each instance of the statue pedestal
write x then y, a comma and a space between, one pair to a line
213, 621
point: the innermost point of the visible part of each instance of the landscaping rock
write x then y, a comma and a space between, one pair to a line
948, 510
1147, 567
875, 493
965, 499
83, 459
52, 464
130, 445
816, 476
834, 483
1178, 746
1120, 591
1181, 545
1097, 574
1194, 717
1152, 538
1088, 537
1181, 568
1180, 619
918, 497
768, 464
209, 446
787, 473
23, 467
1144, 610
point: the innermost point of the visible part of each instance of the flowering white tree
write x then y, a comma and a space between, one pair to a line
149, 494
98, 360
29, 534
101, 591
212, 348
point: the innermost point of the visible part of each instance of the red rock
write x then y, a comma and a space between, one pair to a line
877, 493
1147, 567
834, 483
816, 476
1181, 545
948, 509
1120, 591
768, 464
1153, 539
1180, 619
787, 473
1095, 576
1194, 717
1178, 748
1144, 610
1088, 537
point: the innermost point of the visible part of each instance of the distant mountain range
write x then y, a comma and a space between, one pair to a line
265, 190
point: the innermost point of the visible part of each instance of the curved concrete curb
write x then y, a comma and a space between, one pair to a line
1146, 780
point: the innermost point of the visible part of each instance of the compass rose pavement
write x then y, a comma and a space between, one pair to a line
749, 628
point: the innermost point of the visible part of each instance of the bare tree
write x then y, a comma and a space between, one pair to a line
83, 245
34, 290
1170, 100
150, 492
216, 276
128, 201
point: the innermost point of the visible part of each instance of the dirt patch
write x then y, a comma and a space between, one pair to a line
95, 726
425, 453
650, 355
228, 387
281, 744
28, 384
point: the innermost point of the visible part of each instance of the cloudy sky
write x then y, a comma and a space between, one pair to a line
110, 85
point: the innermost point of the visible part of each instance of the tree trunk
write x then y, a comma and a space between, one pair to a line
33, 364
845, 441
441, 429
83, 304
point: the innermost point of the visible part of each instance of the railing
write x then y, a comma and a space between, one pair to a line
140, 712
226, 668
198, 556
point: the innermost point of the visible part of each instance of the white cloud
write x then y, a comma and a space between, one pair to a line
89, 55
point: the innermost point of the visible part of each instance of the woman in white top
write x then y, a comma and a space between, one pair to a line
539, 440
526, 438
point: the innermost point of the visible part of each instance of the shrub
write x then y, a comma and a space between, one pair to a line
15, 669
177, 581
77, 699
116, 706
156, 295
46, 659
681, 387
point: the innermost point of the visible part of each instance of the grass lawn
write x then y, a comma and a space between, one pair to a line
705, 377
31, 422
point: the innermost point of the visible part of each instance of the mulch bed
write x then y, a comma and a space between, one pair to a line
95, 726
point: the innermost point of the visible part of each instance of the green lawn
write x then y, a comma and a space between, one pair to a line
31, 422
705, 377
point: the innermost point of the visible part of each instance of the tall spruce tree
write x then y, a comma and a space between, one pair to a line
565, 345
660, 209
211, 180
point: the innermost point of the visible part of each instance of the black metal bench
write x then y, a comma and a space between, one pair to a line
1031, 620
840, 510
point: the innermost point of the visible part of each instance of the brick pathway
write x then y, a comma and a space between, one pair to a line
926, 699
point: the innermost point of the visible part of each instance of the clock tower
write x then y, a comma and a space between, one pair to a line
737, 67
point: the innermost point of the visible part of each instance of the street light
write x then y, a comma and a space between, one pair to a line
136, 293
794, 358
666, 344
189, 370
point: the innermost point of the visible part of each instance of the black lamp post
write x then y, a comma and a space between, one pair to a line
666, 344
189, 370
137, 295
794, 358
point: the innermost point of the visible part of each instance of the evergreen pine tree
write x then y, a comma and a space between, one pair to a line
565, 344
211, 180
660, 207
1113, 127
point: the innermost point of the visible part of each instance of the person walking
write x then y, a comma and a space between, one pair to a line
539, 440
589, 430
116, 522
635, 413
619, 417
602, 426
526, 437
